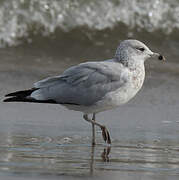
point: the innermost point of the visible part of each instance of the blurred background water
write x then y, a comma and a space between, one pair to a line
40, 38
20, 20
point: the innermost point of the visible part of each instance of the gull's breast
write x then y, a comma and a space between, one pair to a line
137, 79
128, 91
118, 97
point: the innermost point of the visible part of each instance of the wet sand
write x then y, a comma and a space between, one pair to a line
40, 141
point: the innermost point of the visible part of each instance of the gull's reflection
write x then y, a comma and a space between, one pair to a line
104, 156
92, 160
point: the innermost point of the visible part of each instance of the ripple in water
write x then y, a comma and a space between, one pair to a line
26, 154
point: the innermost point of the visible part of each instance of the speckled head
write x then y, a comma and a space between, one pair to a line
133, 50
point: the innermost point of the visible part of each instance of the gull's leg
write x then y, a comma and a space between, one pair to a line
105, 132
93, 130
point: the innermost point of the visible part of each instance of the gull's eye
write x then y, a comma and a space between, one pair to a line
141, 49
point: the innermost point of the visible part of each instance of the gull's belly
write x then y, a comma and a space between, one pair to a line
123, 94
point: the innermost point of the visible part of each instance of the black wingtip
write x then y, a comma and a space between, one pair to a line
12, 99
23, 93
30, 100
24, 96
7, 95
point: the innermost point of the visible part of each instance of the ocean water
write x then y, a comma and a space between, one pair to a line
20, 19
41, 38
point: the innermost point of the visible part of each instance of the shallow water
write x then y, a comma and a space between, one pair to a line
44, 142
49, 142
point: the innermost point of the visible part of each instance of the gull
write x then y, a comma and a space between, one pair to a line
93, 87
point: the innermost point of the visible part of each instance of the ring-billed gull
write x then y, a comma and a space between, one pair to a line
93, 87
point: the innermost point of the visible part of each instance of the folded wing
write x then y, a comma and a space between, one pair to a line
84, 84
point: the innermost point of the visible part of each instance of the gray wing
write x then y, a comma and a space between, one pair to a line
84, 84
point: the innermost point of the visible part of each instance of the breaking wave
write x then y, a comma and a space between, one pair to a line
19, 19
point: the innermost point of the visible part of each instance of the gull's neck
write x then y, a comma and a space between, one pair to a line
131, 63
